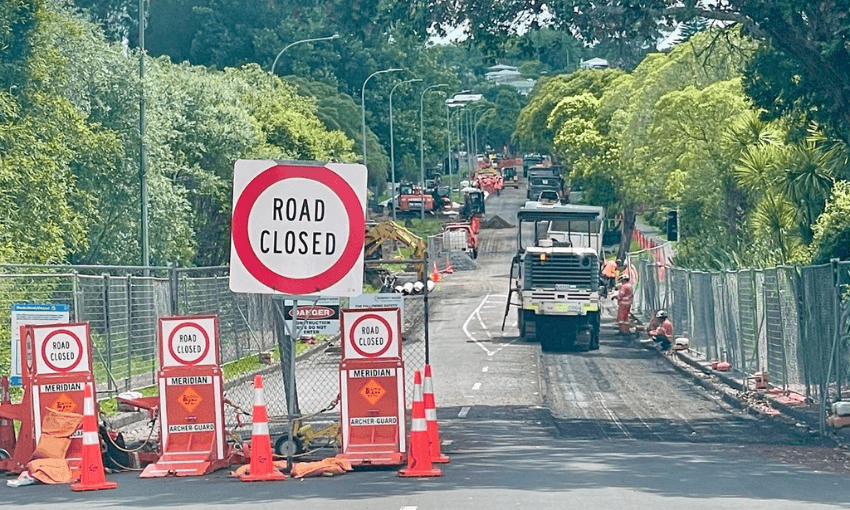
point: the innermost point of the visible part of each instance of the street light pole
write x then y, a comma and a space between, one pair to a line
392, 148
328, 38
143, 177
363, 105
422, 141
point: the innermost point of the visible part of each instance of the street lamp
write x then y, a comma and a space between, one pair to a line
363, 104
422, 142
392, 149
328, 38
143, 177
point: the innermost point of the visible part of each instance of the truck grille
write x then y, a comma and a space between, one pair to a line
563, 269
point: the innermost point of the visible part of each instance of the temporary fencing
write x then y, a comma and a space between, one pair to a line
122, 305
792, 322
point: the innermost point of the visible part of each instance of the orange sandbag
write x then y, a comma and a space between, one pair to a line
60, 424
246, 468
329, 466
51, 471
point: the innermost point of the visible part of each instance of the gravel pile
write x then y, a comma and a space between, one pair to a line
462, 262
496, 222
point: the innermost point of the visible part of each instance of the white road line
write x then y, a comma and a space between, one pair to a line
466, 327
463, 412
471, 336
408, 508
485, 369
476, 386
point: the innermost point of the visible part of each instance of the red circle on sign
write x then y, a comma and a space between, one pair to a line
389, 336
174, 355
47, 362
356, 229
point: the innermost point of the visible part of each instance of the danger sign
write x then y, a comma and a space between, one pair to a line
298, 228
371, 333
62, 348
189, 341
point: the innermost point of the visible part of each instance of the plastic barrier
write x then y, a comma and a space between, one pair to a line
55, 374
190, 398
371, 375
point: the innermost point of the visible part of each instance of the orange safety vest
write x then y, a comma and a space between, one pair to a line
610, 269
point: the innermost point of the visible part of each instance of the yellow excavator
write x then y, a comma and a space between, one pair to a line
391, 231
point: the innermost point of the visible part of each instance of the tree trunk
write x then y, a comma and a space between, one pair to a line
628, 226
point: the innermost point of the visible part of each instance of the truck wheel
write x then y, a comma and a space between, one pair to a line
527, 325
594, 332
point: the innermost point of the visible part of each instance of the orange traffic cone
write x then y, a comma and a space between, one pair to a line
435, 274
91, 468
449, 269
437, 456
262, 466
419, 456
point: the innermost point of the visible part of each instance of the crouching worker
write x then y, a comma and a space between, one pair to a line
662, 332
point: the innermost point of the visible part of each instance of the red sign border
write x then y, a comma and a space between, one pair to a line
174, 355
298, 286
44, 350
389, 334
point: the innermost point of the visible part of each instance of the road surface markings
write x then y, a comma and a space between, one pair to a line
477, 314
463, 412
600, 399
408, 508
485, 369
476, 386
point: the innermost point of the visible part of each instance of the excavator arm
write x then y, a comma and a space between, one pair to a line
389, 230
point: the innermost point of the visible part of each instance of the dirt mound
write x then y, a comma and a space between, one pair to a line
496, 222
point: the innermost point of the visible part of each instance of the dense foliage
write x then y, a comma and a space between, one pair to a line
679, 132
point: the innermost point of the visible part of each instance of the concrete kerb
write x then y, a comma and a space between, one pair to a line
729, 389
122, 420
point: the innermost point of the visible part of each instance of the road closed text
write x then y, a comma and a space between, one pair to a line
311, 240
371, 336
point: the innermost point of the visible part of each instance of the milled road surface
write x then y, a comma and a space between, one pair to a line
615, 428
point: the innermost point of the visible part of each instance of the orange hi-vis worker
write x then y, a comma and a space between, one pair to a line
624, 304
609, 270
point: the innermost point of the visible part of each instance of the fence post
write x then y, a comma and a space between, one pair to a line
129, 333
174, 302
75, 299
107, 326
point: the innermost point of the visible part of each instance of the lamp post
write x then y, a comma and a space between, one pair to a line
143, 180
392, 149
328, 38
422, 140
363, 104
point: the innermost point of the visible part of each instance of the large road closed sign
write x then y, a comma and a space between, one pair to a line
298, 228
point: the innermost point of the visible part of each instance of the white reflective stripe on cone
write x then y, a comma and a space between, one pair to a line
418, 425
260, 428
417, 393
90, 438
428, 386
88, 407
431, 414
258, 397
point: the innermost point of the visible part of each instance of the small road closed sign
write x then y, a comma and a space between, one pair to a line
298, 228
371, 333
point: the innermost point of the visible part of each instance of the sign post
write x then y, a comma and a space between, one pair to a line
191, 401
297, 229
55, 370
371, 375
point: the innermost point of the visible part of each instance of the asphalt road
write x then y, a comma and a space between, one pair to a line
615, 428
